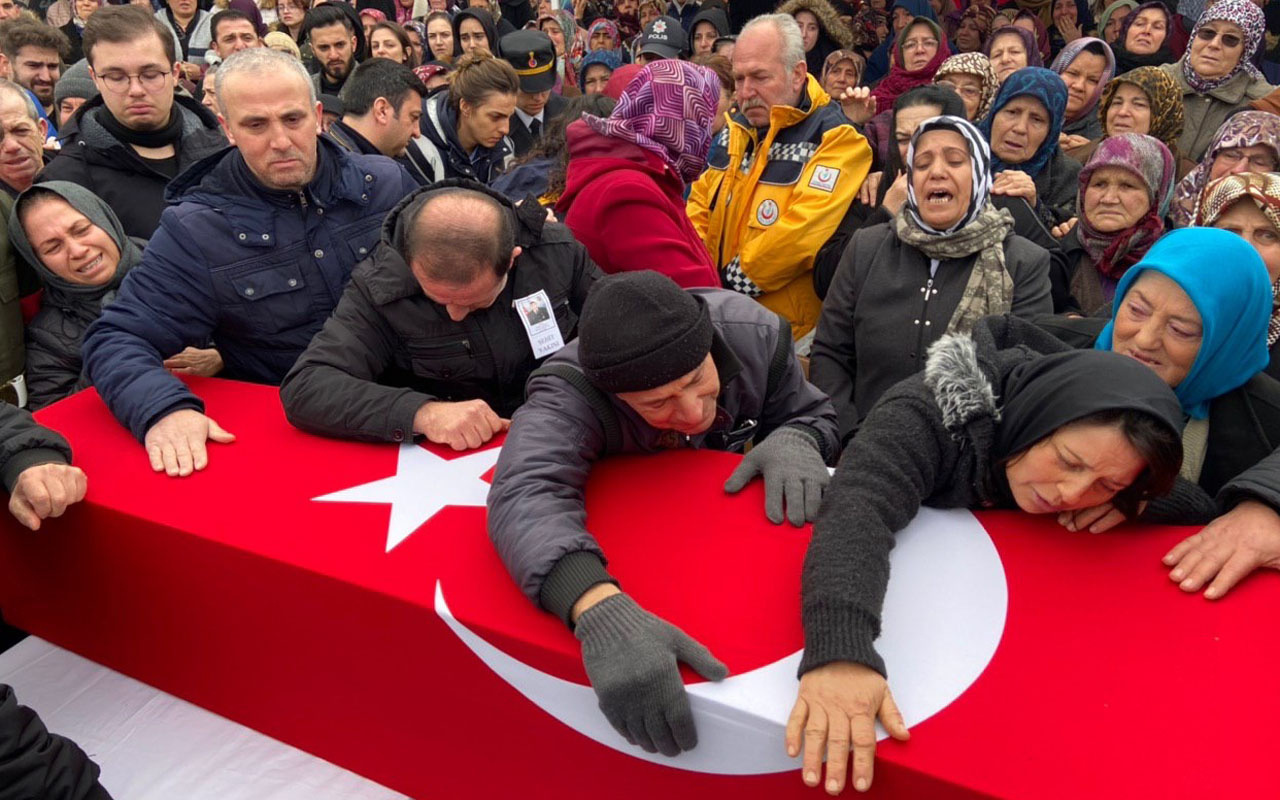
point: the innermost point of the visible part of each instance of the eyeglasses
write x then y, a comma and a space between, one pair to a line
968, 92
151, 80
919, 44
1229, 40
1258, 162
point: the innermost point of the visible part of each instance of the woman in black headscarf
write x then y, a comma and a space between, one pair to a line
979, 428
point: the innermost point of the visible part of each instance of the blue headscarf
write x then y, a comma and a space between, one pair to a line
609, 58
1228, 283
1043, 85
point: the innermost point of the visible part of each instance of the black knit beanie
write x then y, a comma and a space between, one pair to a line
640, 330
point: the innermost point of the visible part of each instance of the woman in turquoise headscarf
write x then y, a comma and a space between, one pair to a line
1195, 309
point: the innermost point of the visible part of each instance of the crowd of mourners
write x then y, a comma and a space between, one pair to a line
1022, 255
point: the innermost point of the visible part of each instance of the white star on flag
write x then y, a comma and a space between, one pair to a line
424, 484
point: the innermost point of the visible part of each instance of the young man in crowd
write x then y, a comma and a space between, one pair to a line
35, 53
456, 264
334, 45
787, 159
292, 211
382, 103
137, 135
654, 367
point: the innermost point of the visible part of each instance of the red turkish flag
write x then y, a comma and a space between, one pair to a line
238, 590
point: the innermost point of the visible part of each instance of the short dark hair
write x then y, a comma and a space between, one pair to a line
379, 77
124, 24
227, 15
931, 94
24, 32
448, 246
1158, 445
720, 66
323, 16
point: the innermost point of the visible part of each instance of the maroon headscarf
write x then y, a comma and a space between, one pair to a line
901, 80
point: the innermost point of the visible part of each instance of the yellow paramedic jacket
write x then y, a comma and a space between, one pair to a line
764, 219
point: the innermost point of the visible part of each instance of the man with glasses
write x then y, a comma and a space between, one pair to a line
127, 144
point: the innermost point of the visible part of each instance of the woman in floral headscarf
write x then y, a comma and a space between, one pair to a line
624, 190
569, 44
1123, 198
1248, 142
1215, 74
603, 35
1145, 100
970, 75
1248, 204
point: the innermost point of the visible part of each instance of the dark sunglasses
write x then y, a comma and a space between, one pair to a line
1228, 39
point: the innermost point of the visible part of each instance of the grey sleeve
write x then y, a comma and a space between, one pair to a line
1260, 482
796, 402
537, 509
1028, 265
332, 390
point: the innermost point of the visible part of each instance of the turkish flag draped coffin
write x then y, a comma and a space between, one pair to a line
345, 598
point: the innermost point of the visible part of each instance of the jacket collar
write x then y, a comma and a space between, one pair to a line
393, 280
223, 180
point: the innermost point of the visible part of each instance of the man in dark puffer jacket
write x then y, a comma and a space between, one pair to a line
254, 252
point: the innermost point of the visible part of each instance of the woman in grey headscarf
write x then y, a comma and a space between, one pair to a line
78, 247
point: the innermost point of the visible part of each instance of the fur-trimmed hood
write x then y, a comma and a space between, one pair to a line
960, 386
828, 19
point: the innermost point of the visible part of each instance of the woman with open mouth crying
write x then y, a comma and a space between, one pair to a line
948, 259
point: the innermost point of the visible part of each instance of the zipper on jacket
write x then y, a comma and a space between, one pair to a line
923, 322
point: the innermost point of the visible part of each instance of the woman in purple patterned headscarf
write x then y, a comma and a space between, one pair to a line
624, 190
1123, 198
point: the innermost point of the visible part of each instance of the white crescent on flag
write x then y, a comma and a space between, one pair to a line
944, 614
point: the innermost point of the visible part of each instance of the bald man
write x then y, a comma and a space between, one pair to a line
254, 251
465, 295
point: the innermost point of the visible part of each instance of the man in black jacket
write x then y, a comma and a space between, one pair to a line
128, 143
382, 104
438, 330
35, 468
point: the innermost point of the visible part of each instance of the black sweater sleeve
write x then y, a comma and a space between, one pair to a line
899, 456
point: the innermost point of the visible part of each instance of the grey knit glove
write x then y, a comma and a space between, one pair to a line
630, 656
792, 468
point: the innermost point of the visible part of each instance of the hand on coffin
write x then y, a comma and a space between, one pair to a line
1227, 550
836, 710
176, 444
631, 658
463, 426
45, 490
793, 471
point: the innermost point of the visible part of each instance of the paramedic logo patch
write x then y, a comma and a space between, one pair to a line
767, 213
824, 178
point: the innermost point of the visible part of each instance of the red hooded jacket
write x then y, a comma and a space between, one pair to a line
626, 206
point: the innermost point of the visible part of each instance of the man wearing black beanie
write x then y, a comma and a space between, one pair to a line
654, 367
